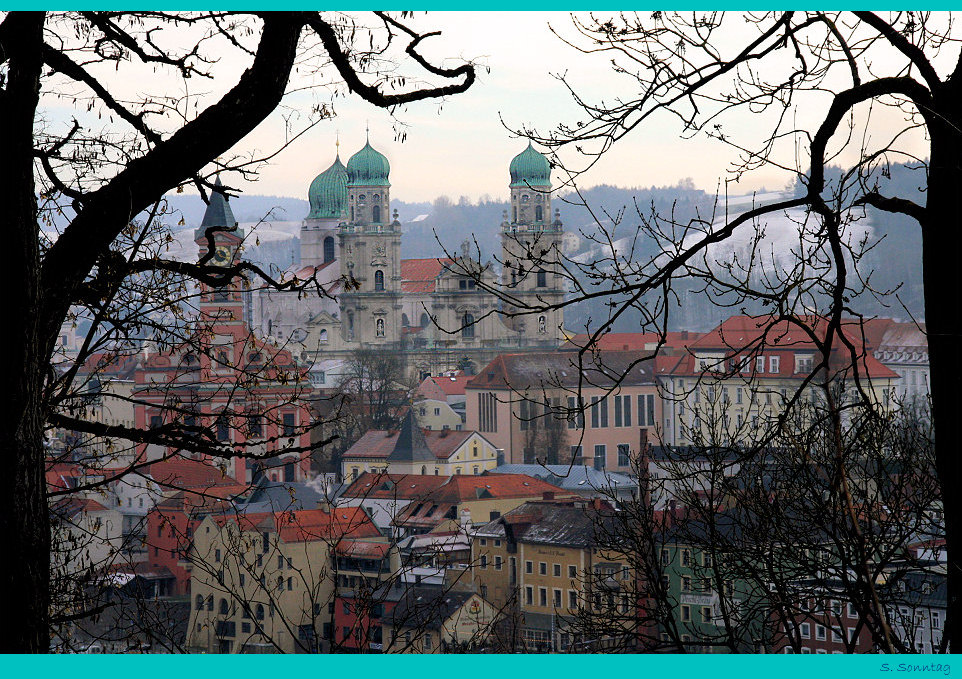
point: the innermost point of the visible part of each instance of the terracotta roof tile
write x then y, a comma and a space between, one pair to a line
420, 275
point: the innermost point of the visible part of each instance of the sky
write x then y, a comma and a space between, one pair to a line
462, 146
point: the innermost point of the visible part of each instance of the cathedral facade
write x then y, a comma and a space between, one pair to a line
433, 311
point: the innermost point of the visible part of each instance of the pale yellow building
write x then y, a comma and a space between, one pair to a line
265, 583
412, 450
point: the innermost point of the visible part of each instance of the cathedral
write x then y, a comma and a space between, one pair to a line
430, 310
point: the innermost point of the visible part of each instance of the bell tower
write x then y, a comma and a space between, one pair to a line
370, 254
531, 252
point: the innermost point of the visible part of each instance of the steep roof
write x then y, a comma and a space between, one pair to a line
521, 372
410, 446
218, 212
420, 275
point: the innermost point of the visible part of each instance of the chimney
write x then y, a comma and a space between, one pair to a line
466, 520
596, 503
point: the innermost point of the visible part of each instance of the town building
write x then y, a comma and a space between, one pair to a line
545, 567
411, 450
249, 392
551, 408
267, 582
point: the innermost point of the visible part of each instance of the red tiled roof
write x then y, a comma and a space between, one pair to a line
182, 472
452, 386
783, 339
420, 275
308, 525
390, 486
462, 488
630, 341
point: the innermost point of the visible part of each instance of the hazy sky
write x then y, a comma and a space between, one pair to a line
461, 147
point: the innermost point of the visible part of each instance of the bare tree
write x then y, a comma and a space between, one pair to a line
87, 182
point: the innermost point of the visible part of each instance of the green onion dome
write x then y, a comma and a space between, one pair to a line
328, 193
367, 167
530, 168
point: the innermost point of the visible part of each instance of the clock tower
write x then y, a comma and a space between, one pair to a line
221, 306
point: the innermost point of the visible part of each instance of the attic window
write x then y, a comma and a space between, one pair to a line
432, 510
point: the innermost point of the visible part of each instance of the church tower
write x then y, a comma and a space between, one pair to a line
531, 251
370, 254
223, 306
328, 199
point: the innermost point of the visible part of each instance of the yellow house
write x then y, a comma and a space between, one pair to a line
542, 563
412, 450
265, 583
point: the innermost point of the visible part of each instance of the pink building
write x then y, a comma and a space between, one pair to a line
528, 406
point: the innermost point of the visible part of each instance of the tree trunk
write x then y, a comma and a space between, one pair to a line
941, 248
24, 518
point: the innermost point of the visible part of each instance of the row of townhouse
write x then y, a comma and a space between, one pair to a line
600, 408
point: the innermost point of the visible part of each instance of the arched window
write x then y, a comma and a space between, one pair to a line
538, 213
329, 249
360, 199
224, 609
323, 335
542, 278
405, 321
379, 327
425, 320
379, 280
199, 602
259, 612
376, 214
516, 213
210, 602
352, 213
542, 325
467, 329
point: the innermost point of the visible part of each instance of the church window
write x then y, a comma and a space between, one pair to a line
467, 323
352, 213
538, 213
516, 214
524, 198
360, 199
379, 280
425, 321
542, 278
329, 249
379, 327
376, 214
324, 335
405, 322
376, 197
